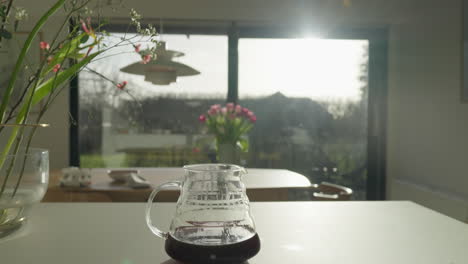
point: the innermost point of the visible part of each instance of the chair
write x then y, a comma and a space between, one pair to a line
326, 191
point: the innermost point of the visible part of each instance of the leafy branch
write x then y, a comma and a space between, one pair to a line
24, 51
44, 87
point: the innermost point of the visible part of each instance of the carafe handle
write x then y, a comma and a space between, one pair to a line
149, 204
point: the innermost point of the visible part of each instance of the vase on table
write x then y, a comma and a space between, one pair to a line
23, 182
228, 153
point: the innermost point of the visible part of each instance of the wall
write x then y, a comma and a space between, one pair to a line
427, 125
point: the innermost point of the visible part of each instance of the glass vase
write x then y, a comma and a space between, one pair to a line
228, 153
23, 182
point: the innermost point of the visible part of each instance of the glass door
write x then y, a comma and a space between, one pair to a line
311, 99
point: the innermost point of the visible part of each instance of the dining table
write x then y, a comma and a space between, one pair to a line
261, 184
357, 232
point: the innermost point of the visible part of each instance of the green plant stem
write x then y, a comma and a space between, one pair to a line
10, 114
22, 55
18, 139
3, 215
115, 84
15, 137
38, 91
10, 4
50, 84
28, 144
18, 102
31, 135
66, 21
38, 73
50, 99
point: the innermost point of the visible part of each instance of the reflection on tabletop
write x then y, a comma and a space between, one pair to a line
172, 261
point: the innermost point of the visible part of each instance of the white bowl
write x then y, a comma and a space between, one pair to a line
121, 175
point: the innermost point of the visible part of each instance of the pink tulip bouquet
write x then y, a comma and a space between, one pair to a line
229, 124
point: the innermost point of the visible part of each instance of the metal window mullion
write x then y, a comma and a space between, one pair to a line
74, 108
377, 113
233, 65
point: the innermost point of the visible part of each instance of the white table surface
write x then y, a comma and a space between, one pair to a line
291, 232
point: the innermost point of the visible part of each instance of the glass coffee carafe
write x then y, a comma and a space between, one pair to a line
212, 223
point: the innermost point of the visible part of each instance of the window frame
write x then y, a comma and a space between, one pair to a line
377, 81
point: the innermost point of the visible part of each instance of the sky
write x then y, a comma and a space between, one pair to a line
320, 69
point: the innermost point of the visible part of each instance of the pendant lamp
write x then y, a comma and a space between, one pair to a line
163, 70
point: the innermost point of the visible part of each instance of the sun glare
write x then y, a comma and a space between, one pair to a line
314, 68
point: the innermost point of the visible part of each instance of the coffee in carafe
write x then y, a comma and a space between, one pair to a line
212, 223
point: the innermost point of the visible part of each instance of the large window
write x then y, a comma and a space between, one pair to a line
150, 125
311, 97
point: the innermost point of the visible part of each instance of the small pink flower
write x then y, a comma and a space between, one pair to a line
245, 110
238, 109
202, 118
49, 59
212, 112
216, 107
122, 85
253, 119
230, 106
89, 51
56, 67
44, 45
146, 59
224, 110
250, 114
84, 27
137, 48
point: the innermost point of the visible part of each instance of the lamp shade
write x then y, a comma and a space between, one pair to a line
163, 70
